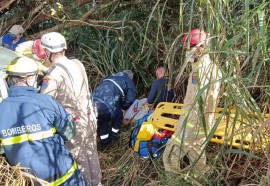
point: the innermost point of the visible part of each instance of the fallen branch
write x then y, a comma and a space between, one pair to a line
6, 4
96, 8
82, 20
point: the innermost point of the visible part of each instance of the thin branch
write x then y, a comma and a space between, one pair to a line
96, 8
82, 20
72, 23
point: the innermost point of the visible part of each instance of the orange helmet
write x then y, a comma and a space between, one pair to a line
38, 50
195, 37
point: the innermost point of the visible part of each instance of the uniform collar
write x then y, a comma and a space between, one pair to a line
163, 77
21, 91
62, 60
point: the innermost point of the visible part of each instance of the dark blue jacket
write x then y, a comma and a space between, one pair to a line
34, 117
159, 92
7, 41
109, 94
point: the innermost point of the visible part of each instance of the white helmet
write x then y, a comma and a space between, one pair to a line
54, 42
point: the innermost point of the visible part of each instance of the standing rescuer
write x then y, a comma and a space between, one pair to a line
66, 80
34, 127
195, 124
33, 50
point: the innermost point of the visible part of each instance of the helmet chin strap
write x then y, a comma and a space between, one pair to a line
50, 57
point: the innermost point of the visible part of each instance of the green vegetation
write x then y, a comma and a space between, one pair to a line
110, 36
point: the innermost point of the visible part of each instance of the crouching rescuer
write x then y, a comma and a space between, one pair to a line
34, 127
113, 96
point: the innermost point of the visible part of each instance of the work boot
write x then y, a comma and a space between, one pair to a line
105, 141
113, 136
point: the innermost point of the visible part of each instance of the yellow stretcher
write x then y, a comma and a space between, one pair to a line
237, 133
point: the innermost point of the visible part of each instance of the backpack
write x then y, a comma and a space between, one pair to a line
152, 148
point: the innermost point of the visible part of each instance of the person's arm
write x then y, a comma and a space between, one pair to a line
63, 122
7, 40
152, 94
150, 106
130, 95
50, 83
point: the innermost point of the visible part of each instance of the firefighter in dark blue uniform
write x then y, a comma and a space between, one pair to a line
34, 127
113, 96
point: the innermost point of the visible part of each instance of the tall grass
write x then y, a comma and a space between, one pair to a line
239, 46
14, 175
240, 38
239, 31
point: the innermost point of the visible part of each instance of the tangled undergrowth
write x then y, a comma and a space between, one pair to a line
121, 167
15, 175
138, 35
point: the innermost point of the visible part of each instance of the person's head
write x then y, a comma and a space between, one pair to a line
22, 71
196, 37
37, 50
17, 31
196, 41
129, 73
54, 44
160, 72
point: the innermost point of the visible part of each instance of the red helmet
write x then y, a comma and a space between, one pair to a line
195, 36
38, 50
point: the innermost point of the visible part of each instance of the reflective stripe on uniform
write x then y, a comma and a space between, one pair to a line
28, 137
177, 139
201, 133
115, 130
104, 136
116, 84
190, 125
65, 177
184, 112
28, 52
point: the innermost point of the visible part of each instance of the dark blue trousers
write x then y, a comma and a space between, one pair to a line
108, 122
